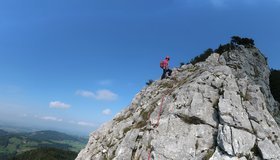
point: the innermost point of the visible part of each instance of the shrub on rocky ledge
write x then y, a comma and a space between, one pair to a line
275, 84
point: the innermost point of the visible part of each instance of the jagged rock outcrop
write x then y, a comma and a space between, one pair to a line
218, 109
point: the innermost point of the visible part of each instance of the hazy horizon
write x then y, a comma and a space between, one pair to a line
20, 128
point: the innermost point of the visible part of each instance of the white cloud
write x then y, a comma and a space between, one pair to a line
50, 118
107, 111
104, 94
58, 104
81, 123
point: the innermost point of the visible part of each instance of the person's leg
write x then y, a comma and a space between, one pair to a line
169, 72
163, 74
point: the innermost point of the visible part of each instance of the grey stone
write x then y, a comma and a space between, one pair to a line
269, 150
242, 141
225, 139
218, 155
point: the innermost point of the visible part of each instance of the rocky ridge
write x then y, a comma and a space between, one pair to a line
221, 108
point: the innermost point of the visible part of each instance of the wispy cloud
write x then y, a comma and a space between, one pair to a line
104, 94
24, 115
81, 123
107, 111
276, 1
58, 104
11, 89
227, 3
85, 93
50, 118
219, 3
105, 82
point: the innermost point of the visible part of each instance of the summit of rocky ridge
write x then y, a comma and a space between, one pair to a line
220, 108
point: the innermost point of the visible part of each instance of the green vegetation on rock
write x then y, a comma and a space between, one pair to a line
275, 84
234, 43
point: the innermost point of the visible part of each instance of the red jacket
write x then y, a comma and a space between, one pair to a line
165, 62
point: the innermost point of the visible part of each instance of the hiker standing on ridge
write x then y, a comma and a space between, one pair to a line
165, 67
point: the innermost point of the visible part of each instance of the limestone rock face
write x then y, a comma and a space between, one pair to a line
218, 109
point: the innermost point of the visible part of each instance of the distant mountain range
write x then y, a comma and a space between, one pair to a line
12, 144
3, 133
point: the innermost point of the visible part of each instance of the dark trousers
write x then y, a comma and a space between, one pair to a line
169, 71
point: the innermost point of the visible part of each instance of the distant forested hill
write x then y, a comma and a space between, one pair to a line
46, 154
53, 135
12, 144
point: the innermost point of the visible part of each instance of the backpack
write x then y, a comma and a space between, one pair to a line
161, 64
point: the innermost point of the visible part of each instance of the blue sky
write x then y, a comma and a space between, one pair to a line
71, 65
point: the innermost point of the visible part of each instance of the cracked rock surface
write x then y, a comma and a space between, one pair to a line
218, 109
